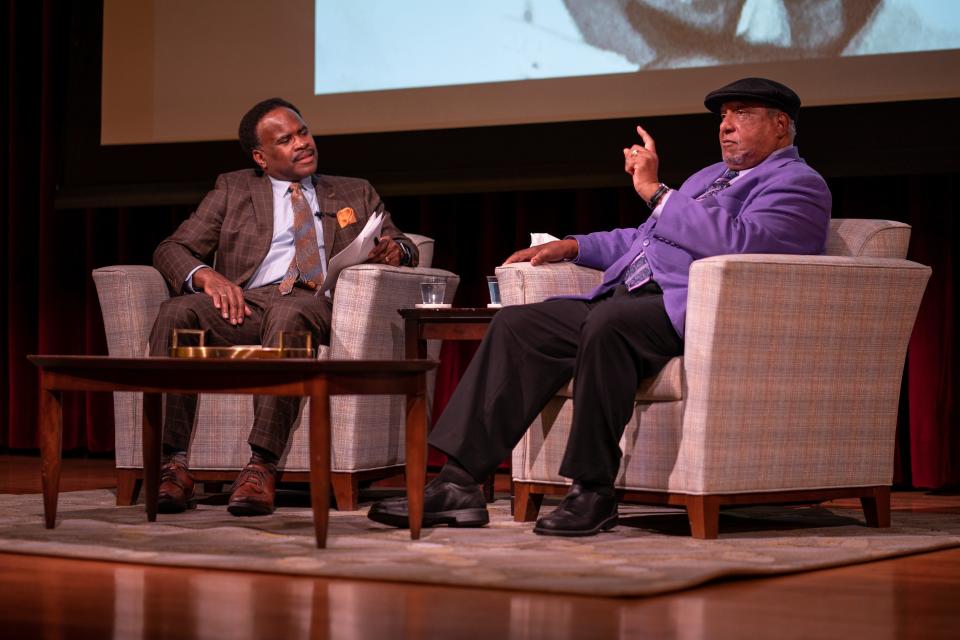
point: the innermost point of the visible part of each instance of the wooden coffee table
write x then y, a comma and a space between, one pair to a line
317, 379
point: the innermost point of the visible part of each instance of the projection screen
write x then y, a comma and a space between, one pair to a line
186, 70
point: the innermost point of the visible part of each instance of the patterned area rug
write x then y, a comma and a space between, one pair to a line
650, 552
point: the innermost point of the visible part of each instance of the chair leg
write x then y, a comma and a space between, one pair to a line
128, 487
876, 508
704, 515
526, 504
346, 491
488, 485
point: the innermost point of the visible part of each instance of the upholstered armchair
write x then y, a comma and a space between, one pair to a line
787, 389
367, 432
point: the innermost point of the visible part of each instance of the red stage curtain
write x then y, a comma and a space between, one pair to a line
932, 362
27, 197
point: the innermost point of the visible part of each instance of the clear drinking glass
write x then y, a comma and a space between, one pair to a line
432, 291
493, 286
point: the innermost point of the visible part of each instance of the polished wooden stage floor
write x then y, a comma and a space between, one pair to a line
912, 597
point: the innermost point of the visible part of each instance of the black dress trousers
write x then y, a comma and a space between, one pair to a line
530, 351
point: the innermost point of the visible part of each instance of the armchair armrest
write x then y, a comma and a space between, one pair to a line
365, 320
522, 283
130, 298
424, 247
802, 301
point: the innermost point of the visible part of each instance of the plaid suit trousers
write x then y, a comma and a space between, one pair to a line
271, 314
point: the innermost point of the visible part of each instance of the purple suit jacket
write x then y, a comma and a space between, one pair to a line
781, 206
234, 222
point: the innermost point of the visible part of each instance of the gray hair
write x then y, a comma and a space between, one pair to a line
791, 127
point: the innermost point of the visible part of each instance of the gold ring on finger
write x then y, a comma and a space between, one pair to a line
634, 153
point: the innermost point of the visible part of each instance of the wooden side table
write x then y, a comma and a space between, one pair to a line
318, 379
466, 323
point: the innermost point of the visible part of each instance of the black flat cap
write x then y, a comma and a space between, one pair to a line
760, 89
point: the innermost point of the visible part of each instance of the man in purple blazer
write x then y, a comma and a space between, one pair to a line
763, 198
246, 266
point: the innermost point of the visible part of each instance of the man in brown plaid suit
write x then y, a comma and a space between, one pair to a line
245, 228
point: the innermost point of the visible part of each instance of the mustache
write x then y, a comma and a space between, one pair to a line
303, 154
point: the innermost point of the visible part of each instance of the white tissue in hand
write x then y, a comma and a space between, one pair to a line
541, 238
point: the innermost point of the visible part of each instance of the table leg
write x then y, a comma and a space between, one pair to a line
152, 428
320, 460
416, 442
51, 431
488, 487
414, 345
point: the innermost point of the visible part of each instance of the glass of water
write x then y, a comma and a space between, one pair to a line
432, 291
493, 286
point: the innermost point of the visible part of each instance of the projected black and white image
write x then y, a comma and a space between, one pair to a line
370, 45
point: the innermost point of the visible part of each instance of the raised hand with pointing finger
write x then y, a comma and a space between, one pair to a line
642, 163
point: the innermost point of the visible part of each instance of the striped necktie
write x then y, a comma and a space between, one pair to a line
719, 184
306, 262
638, 273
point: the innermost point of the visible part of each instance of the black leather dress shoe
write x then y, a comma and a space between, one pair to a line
583, 512
443, 503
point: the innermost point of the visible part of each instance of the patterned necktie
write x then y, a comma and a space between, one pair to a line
719, 184
306, 263
638, 273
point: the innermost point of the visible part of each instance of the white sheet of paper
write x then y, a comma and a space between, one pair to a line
355, 252
541, 238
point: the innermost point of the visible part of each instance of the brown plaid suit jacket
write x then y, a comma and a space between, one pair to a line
234, 224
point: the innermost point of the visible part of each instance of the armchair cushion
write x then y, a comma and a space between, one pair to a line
665, 386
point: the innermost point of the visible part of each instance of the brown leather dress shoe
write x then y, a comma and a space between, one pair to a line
176, 485
254, 490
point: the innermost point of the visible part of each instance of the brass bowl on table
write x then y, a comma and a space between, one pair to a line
240, 352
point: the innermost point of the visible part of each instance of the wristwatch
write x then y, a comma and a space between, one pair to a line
657, 196
407, 256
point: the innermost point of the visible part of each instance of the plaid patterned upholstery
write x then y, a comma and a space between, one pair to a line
132, 294
367, 431
868, 238
521, 283
424, 247
790, 377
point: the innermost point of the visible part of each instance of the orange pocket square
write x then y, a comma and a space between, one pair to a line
346, 216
